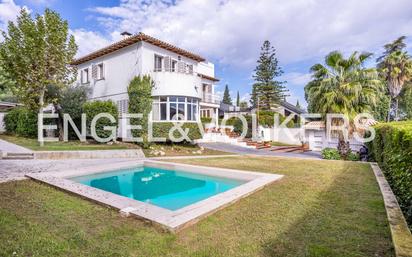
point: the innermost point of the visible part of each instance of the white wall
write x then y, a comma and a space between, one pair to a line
316, 138
121, 66
2, 128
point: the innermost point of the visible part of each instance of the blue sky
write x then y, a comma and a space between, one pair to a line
229, 33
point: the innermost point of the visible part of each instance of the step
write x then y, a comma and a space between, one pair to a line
18, 158
18, 154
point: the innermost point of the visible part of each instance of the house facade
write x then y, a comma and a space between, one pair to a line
184, 82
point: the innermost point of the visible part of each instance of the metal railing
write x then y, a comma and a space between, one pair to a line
210, 98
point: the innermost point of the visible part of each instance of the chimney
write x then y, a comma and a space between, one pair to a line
125, 34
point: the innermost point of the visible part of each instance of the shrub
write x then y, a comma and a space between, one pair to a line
333, 154
161, 129
238, 126
71, 101
392, 149
330, 154
22, 122
205, 120
352, 156
11, 120
266, 118
140, 102
91, 109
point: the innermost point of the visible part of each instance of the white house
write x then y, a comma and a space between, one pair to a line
184, 82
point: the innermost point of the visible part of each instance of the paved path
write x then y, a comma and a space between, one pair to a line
264, 152
12, 148
16, 169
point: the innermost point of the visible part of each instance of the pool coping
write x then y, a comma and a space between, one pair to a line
173, 221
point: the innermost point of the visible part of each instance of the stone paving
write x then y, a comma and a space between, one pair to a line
264, 152
16, 169
12, 148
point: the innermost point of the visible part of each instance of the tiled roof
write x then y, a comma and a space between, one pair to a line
132, 40
207, 77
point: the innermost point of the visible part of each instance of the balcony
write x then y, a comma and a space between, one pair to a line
210, 98
175, 83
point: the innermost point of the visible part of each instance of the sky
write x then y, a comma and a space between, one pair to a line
229, 33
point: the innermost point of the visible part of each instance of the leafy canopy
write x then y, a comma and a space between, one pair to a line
36, 53
140, 102
267, 90
226, 96
343, 85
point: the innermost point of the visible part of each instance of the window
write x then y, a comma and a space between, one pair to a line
174, 108
158, 63
84, 76
100, 71
174, 65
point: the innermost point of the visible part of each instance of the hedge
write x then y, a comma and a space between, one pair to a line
161, 129
392, 149
93, 108
22, 122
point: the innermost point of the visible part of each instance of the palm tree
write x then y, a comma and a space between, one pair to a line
343, 86
395, 68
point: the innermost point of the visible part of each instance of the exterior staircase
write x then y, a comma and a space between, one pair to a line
17, 156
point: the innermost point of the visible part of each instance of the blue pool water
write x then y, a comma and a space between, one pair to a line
165, 188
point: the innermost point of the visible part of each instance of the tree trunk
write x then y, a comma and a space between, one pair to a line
59, 121
389, 110
343, 147
396, 109
41, 103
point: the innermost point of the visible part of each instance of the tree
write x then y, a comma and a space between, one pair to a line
297, 104
266, 89
6, 84
36, 53
68, 100
226, 96
140, 102
243, 105
395, 68
237, 99
405, 102
343, 86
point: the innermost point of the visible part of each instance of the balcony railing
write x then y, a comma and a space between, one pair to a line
210, 98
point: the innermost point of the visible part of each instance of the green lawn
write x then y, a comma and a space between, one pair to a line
180, 150
320, 208
33, 144
276, 143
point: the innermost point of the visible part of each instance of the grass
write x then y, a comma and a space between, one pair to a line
276, 143
320, 208
180, 150
33, 144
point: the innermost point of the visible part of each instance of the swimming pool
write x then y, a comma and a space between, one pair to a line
170, 189
170, 195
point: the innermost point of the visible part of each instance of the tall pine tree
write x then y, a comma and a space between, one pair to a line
237, 99
226, 96
297, 104
267, 89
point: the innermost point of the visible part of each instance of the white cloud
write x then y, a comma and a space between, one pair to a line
8, 12
88, 41
232, 31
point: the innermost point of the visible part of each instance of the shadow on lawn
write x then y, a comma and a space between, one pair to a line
346, 222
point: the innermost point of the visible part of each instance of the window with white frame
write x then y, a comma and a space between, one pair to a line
173, 108
100, 71
84, 76
158, 62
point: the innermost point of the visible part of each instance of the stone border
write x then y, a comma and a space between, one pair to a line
173, 221
401, 236
89, 154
